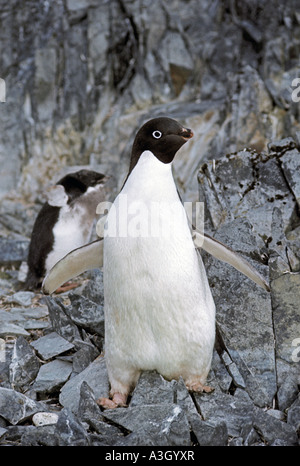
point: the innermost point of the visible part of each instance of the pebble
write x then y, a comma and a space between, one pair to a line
44, 419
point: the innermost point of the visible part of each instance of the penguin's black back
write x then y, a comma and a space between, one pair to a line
41, 244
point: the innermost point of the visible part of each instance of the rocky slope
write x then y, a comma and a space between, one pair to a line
82, 75
52, 357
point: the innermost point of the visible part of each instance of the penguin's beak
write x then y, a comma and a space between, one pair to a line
186, 133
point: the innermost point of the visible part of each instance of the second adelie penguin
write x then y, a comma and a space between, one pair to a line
64, 222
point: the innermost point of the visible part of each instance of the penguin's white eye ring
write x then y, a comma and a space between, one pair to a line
157, 134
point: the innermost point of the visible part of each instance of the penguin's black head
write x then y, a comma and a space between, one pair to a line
76, 184
162, 136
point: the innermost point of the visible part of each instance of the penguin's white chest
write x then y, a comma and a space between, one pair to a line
158, 307
70, 232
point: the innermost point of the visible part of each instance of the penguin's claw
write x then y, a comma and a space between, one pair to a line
198, 387
106, 403
118, 400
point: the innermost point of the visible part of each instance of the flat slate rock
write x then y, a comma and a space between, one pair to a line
52, 376
60, 321
95, 375
69, 431
23, 298
38, 312
16, 407
86, 313
167, 422
9, 328
272, 429
217, 407
51, 345
152, 388
290, 164
24, 365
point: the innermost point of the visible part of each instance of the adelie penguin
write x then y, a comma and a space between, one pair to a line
64, 222
159, 311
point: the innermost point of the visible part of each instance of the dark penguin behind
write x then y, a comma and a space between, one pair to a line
72, 189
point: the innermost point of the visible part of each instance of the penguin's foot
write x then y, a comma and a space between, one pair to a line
67, 287
198, 387
118, 400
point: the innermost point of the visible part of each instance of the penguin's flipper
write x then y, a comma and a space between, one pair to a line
226, 254
87, 257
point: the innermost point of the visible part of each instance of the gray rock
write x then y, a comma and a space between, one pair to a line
3, 431
288, 381
246, 185
282, 145
52, 376
23, 298
83, 357
250, 436
277, 414
35, 325
13, 252
94, 290
24, 365
14, 434
250, 348
7, 328
95, 375
209, 434
51, 345
290, 164
219, 376
24, 317
272, 429
219, 407
89, 412
88, 409
86, 314
69, 431
39, 436
29, 312
152, 388
233, 370
183, 398
167, 423
16, 407
285, 296
293, 414
238, 189
60, 322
